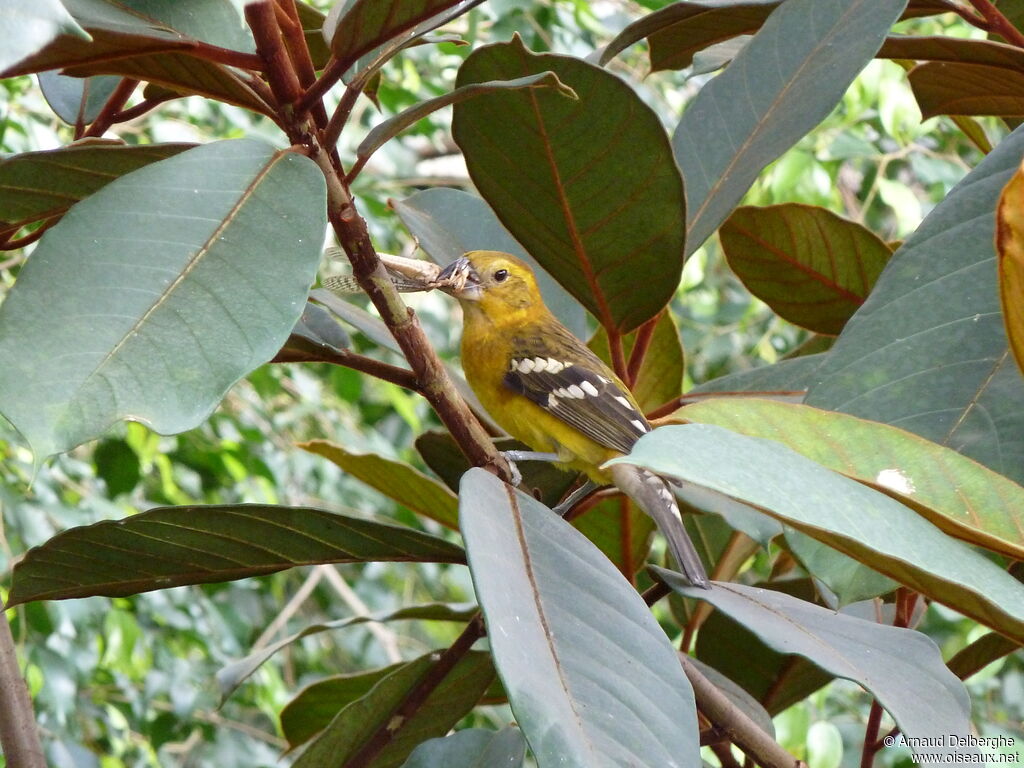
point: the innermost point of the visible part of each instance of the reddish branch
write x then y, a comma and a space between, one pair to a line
997, 23
18, 735
415, 699
114, 104
400, 376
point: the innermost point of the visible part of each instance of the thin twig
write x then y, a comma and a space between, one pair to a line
731, 720
341, 114
298, 49
142, 108
403, 377
644, 335
388, 640
998, 23
328, 79
617, 354
415, 698
871, 743
18, 735
114, 104
290, 608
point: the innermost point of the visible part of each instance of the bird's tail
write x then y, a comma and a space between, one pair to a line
656, 499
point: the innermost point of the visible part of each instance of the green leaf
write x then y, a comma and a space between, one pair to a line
171, 546
902, 668
316, 333
366, 24
591, 677
74, 97
157, 293
770, 96
26, 28
775, 680
847, 579
181, 73
449, 222
786, 378
620, 530
552, 191
43, 185
312, 22
217, 22
979, 654
954, 88
393, 126
110, 31
542, 479
457, 694
401, 482
313, 708
927, 352
960, 496
952, 49
118, 465
471, 748
681, 29
857, 520
809, 265
232, 675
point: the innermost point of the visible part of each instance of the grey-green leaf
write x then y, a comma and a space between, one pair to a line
391, 127
43, 185
901, 667
154, 295
853, 518
782, 84
26, 28
591, 677
172, 546
927, 351
471, 748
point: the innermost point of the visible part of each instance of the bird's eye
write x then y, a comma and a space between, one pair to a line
501, 275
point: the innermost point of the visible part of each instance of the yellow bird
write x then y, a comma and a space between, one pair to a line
547, 389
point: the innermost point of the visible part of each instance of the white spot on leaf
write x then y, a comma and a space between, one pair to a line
895, 480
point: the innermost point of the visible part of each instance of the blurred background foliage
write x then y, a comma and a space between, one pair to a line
131, 682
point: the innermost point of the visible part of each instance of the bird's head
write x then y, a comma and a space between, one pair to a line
491, 281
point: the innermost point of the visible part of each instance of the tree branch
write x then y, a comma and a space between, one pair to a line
426, 685
117, 100
997, 23
18, 735
354, 238
734, 723
644, 334
403, 377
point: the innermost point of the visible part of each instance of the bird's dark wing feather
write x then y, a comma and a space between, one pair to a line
558, 373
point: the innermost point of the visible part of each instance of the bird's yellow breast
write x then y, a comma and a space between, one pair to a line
485, 361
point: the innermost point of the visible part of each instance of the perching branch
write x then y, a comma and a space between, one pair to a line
734, 723
18, 735
400, 376
354, 238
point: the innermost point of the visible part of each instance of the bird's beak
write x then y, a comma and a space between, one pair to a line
460, 280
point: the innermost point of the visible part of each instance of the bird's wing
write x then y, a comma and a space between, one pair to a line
557, 372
